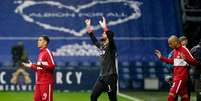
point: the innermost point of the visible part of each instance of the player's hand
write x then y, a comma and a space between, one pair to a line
158, 53
169, 79
103, 24
88, 25
27, 64
88, 22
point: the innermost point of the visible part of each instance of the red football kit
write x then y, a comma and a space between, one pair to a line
44, 76
180, 72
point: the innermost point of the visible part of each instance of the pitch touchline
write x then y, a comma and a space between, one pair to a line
129, 97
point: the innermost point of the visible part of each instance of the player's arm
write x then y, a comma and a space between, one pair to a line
30, 65
94, 40
91, 34
111, 39
164, 59
188, 57
110, 34
34, 67
49, 64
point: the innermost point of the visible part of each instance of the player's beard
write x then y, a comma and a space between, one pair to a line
103, 40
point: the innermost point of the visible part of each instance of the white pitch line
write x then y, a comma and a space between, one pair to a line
129, 97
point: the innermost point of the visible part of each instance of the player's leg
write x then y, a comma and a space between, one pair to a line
112, 88
37, 96
174, 90
15, 76
190, 84
97, 90
113, 95
198, 95
197, 84
169, 80
46, 92
27, 79
185, 97
176, 98
184, 92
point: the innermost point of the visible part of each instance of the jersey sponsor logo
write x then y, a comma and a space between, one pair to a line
180, 62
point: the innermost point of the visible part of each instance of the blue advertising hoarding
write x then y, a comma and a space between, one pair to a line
65, 80
140, 26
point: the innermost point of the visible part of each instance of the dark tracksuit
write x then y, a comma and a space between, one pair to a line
196, 52
107, 80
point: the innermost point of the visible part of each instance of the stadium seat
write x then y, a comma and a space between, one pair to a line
85, 65
7, 64
124, 85
95, 64
138, 84
72, 65
138, 64
152, 64
61, 64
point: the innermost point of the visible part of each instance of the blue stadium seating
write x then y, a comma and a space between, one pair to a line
131, 73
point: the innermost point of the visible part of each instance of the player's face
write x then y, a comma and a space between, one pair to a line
184, 42
41, 42
172, 44
104, 38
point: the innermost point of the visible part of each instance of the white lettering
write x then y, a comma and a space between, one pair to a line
68, 78
2, 81
59, 78
78, 76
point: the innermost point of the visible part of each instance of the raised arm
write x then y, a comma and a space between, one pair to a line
91, 34
110, 34
164, 59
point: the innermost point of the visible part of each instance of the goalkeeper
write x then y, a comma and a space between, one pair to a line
107, 80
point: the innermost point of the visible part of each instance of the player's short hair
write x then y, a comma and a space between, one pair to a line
46, 38
182, 38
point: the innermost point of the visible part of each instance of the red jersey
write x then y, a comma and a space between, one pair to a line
180, 66
45, 67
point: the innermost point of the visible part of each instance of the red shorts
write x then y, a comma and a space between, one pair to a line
43, 92
179, 87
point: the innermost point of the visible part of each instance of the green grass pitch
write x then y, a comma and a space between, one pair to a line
84, 96
58, 96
